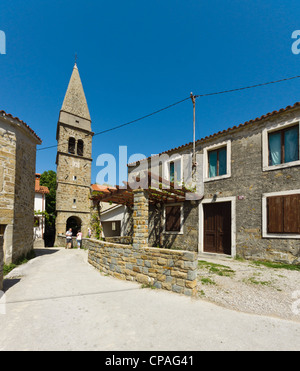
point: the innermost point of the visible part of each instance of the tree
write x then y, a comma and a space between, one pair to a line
48, 179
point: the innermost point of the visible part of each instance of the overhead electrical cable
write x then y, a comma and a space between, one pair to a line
181, 101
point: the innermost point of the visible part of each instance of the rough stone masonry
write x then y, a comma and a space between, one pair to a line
173, 270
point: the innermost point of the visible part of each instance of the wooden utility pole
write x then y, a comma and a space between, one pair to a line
194, 136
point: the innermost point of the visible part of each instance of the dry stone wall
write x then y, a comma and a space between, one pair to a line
173, 270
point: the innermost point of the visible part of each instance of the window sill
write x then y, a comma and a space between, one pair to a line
281, 166
281, 236
169, 232
220, 177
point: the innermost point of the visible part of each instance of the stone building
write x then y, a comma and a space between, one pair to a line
74, 160
39, 211
247, 200
17, 180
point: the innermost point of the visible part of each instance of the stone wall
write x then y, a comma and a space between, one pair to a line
188, 240
24, 199
171, 270
1, 262
140, 218
73, 175
17, 179
125, 240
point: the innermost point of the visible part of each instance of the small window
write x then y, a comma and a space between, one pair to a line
283, 214
74, 177
175, 171
217, 162
284, 146
2, 229
74, 201
113, 226
71, 147
80, 148
173, 219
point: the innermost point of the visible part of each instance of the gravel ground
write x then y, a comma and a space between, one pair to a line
247, 287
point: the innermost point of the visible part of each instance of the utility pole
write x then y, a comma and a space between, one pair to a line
194, 136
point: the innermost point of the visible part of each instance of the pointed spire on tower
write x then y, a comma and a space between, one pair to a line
75, 100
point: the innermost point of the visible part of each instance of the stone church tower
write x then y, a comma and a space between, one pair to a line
74, 160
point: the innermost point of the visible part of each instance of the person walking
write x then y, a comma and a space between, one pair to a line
79, 239
69, 235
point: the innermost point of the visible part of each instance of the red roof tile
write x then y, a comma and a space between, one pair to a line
3, 113
38, 188
102, 188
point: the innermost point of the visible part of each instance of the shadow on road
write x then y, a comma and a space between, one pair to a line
44, 251
10, 282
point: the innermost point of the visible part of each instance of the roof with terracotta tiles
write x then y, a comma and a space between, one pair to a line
5, 114
38, 188
250, 122
102, 188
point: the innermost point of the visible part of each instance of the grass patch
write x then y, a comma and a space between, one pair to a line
220, 270
267, 264
254, 281
207, 281
22, 260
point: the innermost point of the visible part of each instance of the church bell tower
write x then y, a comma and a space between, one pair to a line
74, 160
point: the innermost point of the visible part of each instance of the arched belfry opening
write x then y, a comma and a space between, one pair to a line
71, 145
80, 147
75, 223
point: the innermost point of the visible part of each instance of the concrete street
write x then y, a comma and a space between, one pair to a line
58, 301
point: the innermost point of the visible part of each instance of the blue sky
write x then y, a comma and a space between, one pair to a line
137, 56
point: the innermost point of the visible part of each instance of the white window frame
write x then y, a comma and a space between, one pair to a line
173, 158
265, 146
265, 233
214, 147
181, 219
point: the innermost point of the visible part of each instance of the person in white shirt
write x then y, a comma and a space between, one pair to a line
79, 239
69, 235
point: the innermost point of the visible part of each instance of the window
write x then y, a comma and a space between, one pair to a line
71, 146
173, 218
2, 229
80, 147
175, 171
284, 146
283, 214
217, 162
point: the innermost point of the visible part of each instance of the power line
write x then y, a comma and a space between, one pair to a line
128, 123
181, 101
247, 87
143, 117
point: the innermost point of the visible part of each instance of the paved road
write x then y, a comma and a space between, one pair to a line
62, 303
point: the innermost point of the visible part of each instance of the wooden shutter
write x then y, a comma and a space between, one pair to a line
275, 214
284, 214
291, 214
173, 218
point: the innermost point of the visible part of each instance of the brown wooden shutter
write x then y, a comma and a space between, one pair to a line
291, 214
275, 214
284, 214
173, 218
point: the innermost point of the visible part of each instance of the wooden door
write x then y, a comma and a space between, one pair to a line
217, 228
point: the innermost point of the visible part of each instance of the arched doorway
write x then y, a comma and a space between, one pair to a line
75, 223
